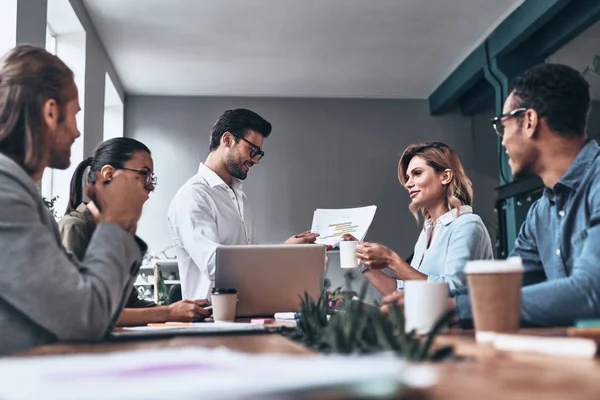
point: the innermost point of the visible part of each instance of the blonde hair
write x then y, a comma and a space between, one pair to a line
440, 157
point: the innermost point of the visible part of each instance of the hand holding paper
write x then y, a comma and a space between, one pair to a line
331, 225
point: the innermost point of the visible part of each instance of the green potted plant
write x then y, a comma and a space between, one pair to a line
594, 68
49, 203
354, 327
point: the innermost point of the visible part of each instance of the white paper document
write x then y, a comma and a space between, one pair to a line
198, 328
332, 224
198, 373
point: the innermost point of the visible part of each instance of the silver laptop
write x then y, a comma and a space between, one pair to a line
270, 278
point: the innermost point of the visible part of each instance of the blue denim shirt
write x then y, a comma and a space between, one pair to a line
559, 244
459, 237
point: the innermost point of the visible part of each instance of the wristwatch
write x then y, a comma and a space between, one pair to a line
363, 268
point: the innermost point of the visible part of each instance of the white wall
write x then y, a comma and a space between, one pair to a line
70, 38
114, 111
8, 26
321, 154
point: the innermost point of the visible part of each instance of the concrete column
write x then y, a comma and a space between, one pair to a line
31, 22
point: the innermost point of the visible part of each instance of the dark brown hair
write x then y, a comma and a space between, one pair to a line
29, 77
440, 157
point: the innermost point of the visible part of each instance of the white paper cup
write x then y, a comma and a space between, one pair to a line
424, 304
224, 302
348, 258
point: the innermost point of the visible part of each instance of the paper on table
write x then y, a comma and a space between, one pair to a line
332, 224
197, 328
552, 346
195, 372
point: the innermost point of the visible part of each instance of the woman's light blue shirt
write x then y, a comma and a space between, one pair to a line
457, 239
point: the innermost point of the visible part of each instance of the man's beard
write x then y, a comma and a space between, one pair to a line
529, 156
234, 167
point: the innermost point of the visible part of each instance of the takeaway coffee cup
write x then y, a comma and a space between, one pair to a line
224, 301
495, 291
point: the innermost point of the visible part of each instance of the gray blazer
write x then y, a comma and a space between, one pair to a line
46, 295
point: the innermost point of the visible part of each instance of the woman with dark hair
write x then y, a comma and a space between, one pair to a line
113, 157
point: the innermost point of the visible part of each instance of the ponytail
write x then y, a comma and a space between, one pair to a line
77, 190
114, 152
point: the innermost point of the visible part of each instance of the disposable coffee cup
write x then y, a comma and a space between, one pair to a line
348, 258
224, 301
424, 304
495, 291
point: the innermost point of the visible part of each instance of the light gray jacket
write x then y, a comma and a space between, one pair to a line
46, 295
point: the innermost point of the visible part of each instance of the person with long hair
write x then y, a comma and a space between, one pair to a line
115, 156
442, 195
47, 295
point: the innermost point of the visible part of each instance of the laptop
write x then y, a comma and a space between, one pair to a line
270, 278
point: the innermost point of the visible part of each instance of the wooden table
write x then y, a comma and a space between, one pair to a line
480, 374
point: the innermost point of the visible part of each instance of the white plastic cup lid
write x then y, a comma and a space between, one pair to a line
513, 264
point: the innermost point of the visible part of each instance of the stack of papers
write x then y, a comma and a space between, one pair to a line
204, 373
331, 225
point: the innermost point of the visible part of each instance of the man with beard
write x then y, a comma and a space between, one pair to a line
211, 209
46, 294
543, 129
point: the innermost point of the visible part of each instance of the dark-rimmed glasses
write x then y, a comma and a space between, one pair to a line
255, 151
497, 121
150, 180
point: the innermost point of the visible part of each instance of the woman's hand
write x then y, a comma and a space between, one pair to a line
375, 255
349, 238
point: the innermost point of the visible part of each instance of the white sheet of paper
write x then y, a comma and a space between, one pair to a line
194, 372
198, 327
332, 224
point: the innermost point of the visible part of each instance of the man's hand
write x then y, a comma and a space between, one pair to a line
188, 311
398, 297
303, 238
120, 200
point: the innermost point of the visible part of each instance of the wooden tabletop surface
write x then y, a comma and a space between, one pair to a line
479, 372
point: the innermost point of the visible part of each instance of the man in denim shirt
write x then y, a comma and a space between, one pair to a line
543, 128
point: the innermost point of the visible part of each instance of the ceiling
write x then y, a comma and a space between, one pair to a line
301, 48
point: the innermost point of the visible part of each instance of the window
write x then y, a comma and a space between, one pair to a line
113, 111
8, 26
46, 187
50, 40
66, 37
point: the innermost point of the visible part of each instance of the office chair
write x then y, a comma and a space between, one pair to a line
174, 293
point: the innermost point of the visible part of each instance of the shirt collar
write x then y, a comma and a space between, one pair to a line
450, 216
576, 170
215, 180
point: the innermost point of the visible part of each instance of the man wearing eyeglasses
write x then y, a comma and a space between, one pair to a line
211, 209
543, 129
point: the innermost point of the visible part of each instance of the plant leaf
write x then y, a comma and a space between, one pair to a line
443, 321
596, 64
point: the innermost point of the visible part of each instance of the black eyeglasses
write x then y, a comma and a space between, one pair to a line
497, 121
255, 151
150, 180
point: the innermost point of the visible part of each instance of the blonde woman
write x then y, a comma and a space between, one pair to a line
441, 194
